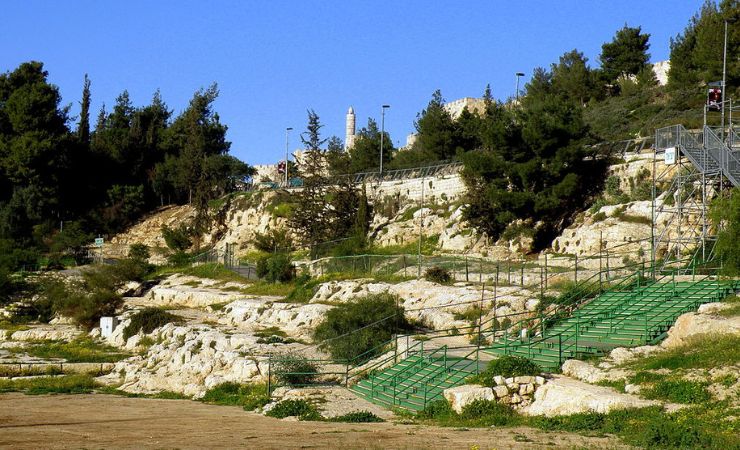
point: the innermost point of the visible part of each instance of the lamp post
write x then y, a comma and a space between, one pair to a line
287, 131
518, 74
382, 134
724, 77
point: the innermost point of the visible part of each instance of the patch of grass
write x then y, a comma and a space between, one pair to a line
80, 350
733, 310
618, 385
678, 391
438, 274
699, 352
294, 370
13, 371
248, 396
646, 377
480, 413
162, 395
630, 218
304, 290
472, 314
148, 320
357, 417
66, 384
273, 335
214, 272
298, 408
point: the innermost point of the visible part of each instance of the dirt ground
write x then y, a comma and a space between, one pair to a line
104, 421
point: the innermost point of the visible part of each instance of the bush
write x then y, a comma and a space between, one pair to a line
507, 366
357, 417
679, 391
179, 259
84, 301
147, 320
304, 290
294, 370
67, 384
298, 408
438, 274
273, 241
275, 268
248, 396
139, 253
438, 409
360, 327
488, 412
177, 239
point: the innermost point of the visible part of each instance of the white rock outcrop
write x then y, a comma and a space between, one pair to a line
193, 292
254, 314
694, 324
461, 396
566, 396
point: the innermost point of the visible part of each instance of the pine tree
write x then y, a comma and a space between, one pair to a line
83, 127
625, 55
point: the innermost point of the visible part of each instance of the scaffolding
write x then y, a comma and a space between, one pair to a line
697, 165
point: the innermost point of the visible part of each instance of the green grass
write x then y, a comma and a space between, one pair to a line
357, 417
733, 310
248, 396
77, 351
66, 384
272, 289
699, 352
162, 395
678, 391
13, 371
299, 408
211, 271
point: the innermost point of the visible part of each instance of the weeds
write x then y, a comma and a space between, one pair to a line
298, 408
248, 396
678, 391
66, 384
79, 350
147, 320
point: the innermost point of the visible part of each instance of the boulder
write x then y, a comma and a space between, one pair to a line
565, 396
461, 396
693, 324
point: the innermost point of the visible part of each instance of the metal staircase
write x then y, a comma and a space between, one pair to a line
725, 154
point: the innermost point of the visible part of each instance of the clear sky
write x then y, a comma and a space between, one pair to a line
275, 59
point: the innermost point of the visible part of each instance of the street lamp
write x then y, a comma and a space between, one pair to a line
724, 77
382, 134
287, 131
518, 74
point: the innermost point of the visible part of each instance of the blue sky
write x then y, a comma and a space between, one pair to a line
275, 59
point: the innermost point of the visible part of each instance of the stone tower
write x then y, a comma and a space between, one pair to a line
349, 138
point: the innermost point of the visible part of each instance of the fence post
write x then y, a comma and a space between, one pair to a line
404, 265
521, 277
480, 271
508, 272
545, 271
467, 274
542, 286
269, 375
576, 275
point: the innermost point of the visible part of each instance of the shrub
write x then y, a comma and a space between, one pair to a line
304, 290
81, 350
248, 396
139, 253
179, 259
360, 327
488, 412
177, 239
599, 216
84, 301
438, 409
679, 391
357, 417
275, 268
507, 366
438, 274
67, 384
298, 408
273, 241
147, 320
294, 370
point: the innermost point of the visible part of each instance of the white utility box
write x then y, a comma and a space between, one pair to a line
107, 325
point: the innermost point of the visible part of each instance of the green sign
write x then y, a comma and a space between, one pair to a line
98, 242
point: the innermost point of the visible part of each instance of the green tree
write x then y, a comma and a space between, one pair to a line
572, 77
436, 130
310, 219
83, 127
365, 151
627, 54
725, 215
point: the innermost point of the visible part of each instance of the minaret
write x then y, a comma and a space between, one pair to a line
349, 138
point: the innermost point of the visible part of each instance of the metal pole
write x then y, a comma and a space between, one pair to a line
287, 146
724, 84
421, 225
382, 134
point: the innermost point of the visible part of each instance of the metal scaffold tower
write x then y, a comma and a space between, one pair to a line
690, 168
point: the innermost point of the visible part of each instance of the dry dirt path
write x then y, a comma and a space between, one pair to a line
104, 421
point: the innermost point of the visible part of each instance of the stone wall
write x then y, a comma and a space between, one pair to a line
439, 188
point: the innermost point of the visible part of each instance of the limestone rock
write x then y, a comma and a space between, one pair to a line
47, 333
565, 396
692, 324
461, 396
501, 391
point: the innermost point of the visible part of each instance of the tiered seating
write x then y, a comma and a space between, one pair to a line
415, 381
615, 319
